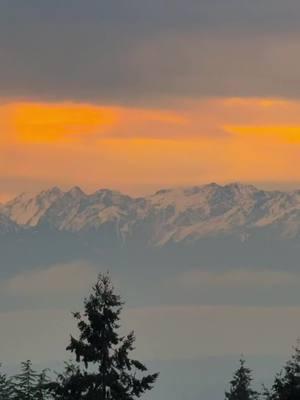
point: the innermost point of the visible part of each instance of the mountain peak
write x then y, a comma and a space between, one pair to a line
240, 185
76, 191
53, 190
212, 185
108, 191
27, 208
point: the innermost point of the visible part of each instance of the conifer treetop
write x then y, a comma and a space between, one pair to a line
104, 368
240, 385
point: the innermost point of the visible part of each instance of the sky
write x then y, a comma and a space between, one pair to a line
137, 96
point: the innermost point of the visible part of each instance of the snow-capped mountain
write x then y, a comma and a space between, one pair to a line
172, 215
28, 208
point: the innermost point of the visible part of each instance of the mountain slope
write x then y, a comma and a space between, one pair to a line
28, 208
172, 215
7, 225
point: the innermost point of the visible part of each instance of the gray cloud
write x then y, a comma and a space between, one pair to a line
238, 278
58, 285
213, 330
146, 51
56, 280
207, 331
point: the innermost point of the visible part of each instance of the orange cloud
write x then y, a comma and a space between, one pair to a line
35, 122
61, 122
286, 134
129, 148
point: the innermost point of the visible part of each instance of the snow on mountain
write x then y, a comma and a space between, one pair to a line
28, 208
202, 211
174, 215
76, 211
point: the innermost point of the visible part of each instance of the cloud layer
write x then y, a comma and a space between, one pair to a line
132, 149
61, 279
205, 331
238, 278
140, 52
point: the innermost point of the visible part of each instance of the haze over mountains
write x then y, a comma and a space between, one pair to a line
212, 258
183, 215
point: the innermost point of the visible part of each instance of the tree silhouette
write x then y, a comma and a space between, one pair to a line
42, 386
286, 384
6, 387
25, 382
103, 367
240, 385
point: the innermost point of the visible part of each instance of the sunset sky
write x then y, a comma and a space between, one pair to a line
138, 96
148, 94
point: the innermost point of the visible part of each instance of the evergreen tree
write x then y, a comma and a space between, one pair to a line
67, 383
240, 385
25, 382
266, 393
103, 367
286, 385
42, 386
6, 387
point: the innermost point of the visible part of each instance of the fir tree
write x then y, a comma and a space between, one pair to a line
266, 393
6, 387
240, 385
286, 385
25, 382
41, 391
67, 382
104, 369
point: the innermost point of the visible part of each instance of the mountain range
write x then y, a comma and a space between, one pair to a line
178, 250
180, 215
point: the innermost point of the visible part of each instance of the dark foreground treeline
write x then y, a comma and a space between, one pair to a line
103, 369
286, 384
28, 384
